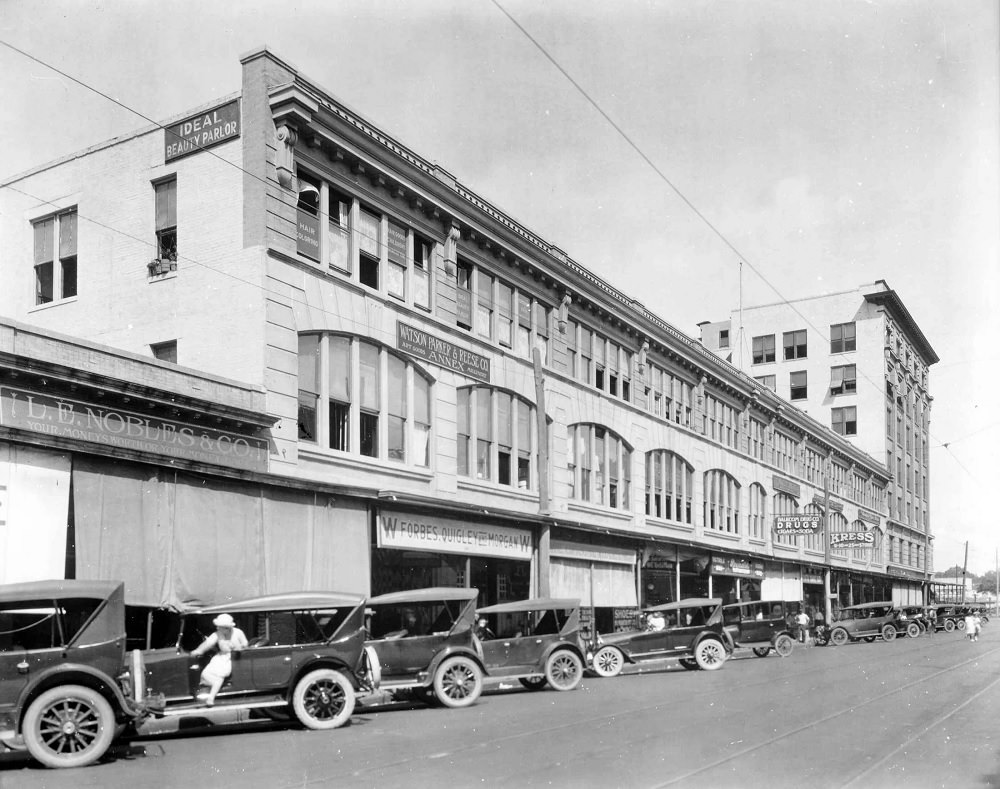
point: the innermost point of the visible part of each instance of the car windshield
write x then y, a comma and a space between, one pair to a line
42, 625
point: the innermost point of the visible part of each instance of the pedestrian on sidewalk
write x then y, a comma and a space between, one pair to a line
802, 623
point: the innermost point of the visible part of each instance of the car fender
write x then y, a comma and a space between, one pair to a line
318, 661
726, 642
76, 674
557, 646
779, 633
448, 652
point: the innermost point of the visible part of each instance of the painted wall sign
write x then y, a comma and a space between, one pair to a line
63, 418
797, 524
307, 234
441, 352
852, 539
835, 506
444, 535
786, 486
728, 565
202, 131
902, 572
869, 516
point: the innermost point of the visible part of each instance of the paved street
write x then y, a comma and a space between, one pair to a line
919, 713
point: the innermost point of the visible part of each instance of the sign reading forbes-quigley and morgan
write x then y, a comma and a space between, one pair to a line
442, 353
442, 535
58, 416
202, 131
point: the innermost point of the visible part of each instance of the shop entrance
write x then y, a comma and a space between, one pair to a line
498, 580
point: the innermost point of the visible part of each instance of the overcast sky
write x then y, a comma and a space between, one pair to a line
830, 143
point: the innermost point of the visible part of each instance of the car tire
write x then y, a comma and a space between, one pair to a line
323, 699
960, 624
784, 644
949, 625
869, 639
710, 654
839, 637
458, 681
888, 632
608, 662
913, 630
690, 663
533, 683
762, 651
564, 670
69, 726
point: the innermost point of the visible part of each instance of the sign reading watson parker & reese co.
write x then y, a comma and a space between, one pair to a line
202, 131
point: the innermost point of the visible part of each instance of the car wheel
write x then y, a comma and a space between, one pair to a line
323, 699
839, 637
913, 630
888, 632
710, 654
608, 662
69, 726
949, 625
868, 639
458, 681
564, 670
960, 624
761, 651
784, 645
690, 663
533, 683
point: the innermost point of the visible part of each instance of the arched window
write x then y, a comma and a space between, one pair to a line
866, 551
813, 542
600, 464
359, 397
837, 523
785, 505
757, 512
496, 436
722, 502
669, 486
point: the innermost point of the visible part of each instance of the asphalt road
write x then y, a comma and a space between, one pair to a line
914, 713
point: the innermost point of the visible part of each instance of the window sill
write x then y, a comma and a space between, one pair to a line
482, 486
333, 458
725, 535
598, 509
51, 304
652, 520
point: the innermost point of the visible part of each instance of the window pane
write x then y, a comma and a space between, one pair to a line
370, 397
43, 240
369, 233
369, 435
68, 277
421, 399
308, 362
166, 204
504, 427
340, 369
67, 234
397, 386
397, 438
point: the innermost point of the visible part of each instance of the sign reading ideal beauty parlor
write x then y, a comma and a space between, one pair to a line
202, 131
443, 535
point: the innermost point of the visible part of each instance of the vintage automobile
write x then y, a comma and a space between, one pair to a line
538, 642
762, 626
690, 631
65, 689
305, 656
425, 646
916, 614
867, 621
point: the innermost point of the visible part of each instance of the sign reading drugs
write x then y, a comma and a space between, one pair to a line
796, 524
443, 535
202, 131
852, 539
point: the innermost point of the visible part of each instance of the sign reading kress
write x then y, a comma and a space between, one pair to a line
442, 535
58, 416
855, 539
796, 524
442, 353
202, 131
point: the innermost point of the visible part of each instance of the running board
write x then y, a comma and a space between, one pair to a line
189, 709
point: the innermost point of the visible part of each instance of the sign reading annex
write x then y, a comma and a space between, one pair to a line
202, 131
443, 535
442, 353
113, 427
796, 524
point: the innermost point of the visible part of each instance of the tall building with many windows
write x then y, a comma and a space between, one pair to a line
858, 362
268, 343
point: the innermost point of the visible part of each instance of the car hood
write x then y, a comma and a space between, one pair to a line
620, 638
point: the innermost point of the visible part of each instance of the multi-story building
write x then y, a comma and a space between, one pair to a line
858, 362
326, 362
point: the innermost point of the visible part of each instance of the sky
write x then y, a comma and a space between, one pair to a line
826, 144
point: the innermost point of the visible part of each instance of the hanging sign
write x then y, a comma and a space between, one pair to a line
852, 539
796, 524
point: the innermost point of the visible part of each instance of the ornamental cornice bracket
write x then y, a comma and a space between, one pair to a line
292, 111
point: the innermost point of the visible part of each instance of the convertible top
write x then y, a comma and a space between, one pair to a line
690, 602
532, 604
58, 588
428, 595
286, 601
862, 606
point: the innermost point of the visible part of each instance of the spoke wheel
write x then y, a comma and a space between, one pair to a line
761, 651
839, 637
608, 662
888, 633
323, 699
949, 625
458, 682
564, 670
913, 630
710, 654
784, 645
69, 726
533, 683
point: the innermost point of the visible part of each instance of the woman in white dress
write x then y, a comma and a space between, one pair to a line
227, 639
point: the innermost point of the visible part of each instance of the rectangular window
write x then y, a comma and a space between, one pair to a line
369, 398
542, 330
340, 392
523, 326
798, 386
421, 272
795, 344
505, 436
842, 338
845, 421
484, 305
505, 314
396, 416
464, 434
166, 219
724, 338
339, 233
586, 353
484, 433
770, 381
843, 380
308, 386
55, 239
463, 295
599, 350
523, 446
763, 349
396, 254
370, 245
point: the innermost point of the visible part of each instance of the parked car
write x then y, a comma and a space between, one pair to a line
762, 626
425, 644
306, 657
65, 689
538, 642
691, 631
868, 621
915, 614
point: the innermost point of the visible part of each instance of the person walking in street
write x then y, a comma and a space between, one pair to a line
802, 623
977, 622
970, 626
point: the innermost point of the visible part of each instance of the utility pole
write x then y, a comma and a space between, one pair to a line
965, 569
827, 608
